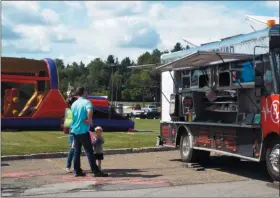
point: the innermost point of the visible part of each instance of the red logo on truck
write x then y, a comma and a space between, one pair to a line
275, 111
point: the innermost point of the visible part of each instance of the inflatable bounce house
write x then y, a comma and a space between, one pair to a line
31, 99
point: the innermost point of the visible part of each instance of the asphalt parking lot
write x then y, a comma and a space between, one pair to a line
46, 177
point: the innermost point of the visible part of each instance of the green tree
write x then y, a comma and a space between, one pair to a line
125, 95
177, 47
59, 64
110, 59
98, 75
155, 58
145, 58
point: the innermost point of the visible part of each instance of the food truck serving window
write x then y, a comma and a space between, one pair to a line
186, 79
194, 79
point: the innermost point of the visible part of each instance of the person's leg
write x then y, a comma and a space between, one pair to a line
85, 139
70, 154
77, 155
99, 157
99, 164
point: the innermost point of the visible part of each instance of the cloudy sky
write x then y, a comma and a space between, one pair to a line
75, 31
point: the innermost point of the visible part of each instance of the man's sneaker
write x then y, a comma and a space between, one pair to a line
68, 170
101, 174
81, 174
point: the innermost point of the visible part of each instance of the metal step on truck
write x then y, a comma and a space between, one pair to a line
224, 97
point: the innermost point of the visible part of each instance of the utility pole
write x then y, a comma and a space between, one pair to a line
116, 95
116, 101
112, 84
143, 103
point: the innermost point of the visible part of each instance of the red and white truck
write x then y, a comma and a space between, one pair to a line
224, 97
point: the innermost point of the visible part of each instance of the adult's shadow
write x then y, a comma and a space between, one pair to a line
232, 165
129, 173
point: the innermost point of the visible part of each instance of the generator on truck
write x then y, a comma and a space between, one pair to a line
224, 97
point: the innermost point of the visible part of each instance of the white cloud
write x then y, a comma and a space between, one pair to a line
34, 38
37, 27
21, 12
62, 34
50, 16
28, 6
107, 9
74, 4
115, 23
86, 59
273, 4
116, 26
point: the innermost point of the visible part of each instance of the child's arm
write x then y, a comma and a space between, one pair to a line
98, 140
94, 141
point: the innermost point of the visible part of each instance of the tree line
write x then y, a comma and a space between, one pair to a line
113, 78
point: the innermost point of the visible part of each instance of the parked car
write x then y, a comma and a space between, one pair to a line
137, 107
153, 115
133, 106
138, 114
150, 108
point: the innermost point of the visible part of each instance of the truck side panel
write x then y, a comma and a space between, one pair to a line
236, 140
168, 133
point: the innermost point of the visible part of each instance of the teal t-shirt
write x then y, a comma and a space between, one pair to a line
79, 114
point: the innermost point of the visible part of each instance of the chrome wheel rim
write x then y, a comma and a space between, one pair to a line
274, 157
186, 146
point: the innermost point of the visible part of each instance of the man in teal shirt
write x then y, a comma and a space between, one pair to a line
82, 119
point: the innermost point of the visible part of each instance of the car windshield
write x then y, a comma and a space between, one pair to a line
152, 107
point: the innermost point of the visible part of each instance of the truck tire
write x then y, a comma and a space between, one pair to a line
187, 154
272, 159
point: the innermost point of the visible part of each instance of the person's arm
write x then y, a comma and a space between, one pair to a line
91, 137
89, 113
94, 141
99, 140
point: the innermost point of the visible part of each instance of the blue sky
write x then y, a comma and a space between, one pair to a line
80, 30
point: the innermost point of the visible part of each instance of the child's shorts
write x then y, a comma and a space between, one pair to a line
99, 156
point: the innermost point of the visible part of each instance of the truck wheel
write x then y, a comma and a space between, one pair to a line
272, 159
187, 154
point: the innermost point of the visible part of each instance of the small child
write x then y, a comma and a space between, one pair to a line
98, 146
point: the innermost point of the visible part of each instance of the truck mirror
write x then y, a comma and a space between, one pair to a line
259, 73
259, 82
259, 68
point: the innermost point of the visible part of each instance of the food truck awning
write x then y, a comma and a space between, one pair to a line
203, 58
